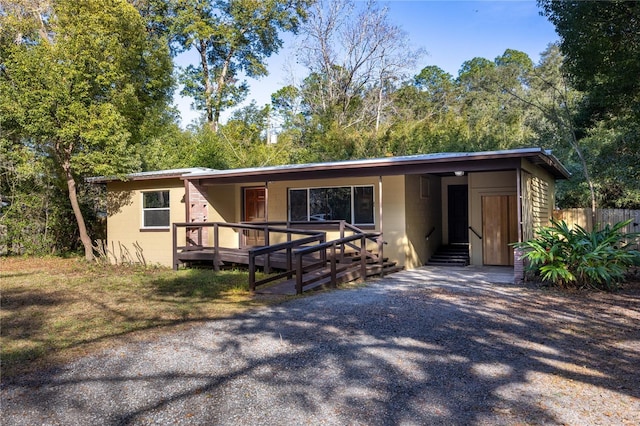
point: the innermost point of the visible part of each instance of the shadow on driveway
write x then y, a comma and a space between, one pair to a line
430, 346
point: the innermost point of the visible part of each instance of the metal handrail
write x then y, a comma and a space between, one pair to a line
474, 231
430, 233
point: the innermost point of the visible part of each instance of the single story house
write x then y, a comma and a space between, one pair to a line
482, 201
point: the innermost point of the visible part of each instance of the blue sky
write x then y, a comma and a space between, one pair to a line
450, 31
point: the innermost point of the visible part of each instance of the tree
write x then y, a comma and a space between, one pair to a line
77, 80
231, 37
601, 44
355, 58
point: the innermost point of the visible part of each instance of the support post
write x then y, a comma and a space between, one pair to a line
252, 272
175, 247
363, 257
333, 265
299, 273
216, 247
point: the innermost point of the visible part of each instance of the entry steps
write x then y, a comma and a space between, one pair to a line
451, 255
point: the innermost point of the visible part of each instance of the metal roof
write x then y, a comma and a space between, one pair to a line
390, 165
444, 162
158, 174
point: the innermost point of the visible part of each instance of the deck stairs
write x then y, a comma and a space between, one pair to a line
451, 255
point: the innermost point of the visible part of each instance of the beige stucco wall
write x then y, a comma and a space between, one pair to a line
124, 220
393, 219
423, 213
225, 204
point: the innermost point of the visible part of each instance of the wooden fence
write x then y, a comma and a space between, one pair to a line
582, 217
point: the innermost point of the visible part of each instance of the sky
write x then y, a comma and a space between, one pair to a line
451, 32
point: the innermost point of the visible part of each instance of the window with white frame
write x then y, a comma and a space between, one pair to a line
353, 204
155, 209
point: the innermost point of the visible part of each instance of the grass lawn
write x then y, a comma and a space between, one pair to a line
53, 309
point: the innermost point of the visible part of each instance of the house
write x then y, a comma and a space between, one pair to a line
481, 201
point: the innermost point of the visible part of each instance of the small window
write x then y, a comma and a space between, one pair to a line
155, 209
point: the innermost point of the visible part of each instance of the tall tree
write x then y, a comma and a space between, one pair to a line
355, 57
231, 37
77, 80
601, 43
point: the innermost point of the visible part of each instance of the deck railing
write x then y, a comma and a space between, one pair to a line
299, 235
198, 244
334, 247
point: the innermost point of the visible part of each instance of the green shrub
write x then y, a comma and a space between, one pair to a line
578, 258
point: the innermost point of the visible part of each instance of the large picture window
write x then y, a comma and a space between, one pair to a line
353, 204
155, 209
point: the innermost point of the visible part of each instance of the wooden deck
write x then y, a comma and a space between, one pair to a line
305, 261
229, 256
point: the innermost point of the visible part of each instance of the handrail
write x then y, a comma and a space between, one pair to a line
318, 235
257, 251
259, 227
318, 247
364, 254
293, 247
474, 231
430, 233
267, 250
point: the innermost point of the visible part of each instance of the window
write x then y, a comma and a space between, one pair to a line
155, 209
353, 204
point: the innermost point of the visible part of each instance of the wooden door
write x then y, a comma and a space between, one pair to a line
255, 210
499, 228
458, 214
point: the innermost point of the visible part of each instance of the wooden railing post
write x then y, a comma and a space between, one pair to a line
323, 253
299, 273
216, 247
333, 265
289, 262
252, 271
175, 247
341, 237
380, 242
267, 257
363, 257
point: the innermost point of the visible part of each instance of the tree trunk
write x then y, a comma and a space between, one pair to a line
220, 87
73, 198
208, 90
379, 106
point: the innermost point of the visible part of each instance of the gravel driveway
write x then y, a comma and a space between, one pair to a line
431, 346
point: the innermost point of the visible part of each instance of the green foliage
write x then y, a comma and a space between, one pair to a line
36, 217
231, 37
578, 258
78, 82
601, 40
